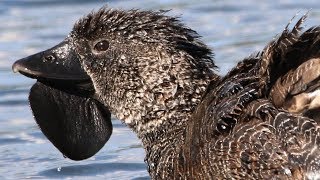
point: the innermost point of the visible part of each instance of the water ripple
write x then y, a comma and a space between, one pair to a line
91, 169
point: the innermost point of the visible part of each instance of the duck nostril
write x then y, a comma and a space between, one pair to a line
49, 58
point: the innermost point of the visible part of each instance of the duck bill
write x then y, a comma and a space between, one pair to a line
63, 104
59, 65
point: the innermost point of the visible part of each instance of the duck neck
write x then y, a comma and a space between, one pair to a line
168, 119
158, 94
171, 128
163, 135
163, 144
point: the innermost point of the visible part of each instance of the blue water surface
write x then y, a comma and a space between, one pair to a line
234, 29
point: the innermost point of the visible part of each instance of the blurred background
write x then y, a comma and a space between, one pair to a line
233, 29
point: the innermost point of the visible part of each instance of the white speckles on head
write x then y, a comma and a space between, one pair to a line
122, 57
61, 51
154, 73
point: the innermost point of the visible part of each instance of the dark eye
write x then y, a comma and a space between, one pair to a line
101, 46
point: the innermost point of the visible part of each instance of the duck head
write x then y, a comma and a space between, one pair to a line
146, 68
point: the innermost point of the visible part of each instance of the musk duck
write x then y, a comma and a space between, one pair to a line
156, 75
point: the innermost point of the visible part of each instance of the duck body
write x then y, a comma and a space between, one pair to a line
239, 132
155, 75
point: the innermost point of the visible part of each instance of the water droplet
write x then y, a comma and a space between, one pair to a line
59, 169
57, 62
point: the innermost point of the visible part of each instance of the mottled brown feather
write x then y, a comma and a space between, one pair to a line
261, 140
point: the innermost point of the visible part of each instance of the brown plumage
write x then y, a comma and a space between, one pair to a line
297, 91
235, 134
297, 88
156, 76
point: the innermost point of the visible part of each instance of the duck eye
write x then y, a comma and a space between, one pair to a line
101, 46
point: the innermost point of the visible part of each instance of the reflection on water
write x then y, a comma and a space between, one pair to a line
233, 29
93, 169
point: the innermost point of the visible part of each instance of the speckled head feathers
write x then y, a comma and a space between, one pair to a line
143, 26
151, 68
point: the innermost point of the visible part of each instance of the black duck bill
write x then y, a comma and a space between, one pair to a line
63, 104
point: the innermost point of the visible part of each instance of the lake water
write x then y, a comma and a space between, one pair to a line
235, 29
